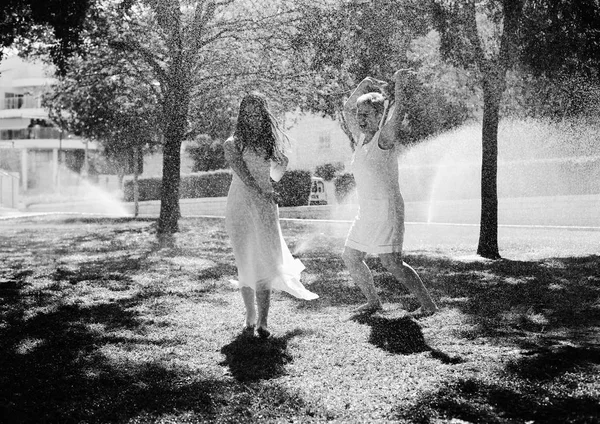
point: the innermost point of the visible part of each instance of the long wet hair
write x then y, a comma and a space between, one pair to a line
270, 138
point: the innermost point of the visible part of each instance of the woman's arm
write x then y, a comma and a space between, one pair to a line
396, 124
234, 158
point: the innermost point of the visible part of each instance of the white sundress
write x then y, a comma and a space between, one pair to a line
379, 225
263, 259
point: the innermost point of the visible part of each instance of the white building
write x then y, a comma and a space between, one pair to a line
44, 158
316, 141
30, 145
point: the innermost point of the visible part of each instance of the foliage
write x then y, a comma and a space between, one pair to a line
193, 186
198, 53
100, 98
491, 38
328, 171
27, 22
207, 154
343, 42
559, 38
293, 188
206, 184
344, 185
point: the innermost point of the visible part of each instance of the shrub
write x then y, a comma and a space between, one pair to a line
344, 184
149, 189
293, 188
205, 184
328, 171
202, 184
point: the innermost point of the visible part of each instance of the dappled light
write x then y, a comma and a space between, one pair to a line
100, 323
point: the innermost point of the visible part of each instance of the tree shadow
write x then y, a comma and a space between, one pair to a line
508, 299
548, 363
61, 366
253, 358
476, 401
401, 336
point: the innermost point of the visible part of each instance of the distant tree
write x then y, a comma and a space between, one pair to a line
191, 48
560, 46
342, 42
482, 36
489, 38
57, 21
99, 98
328, 171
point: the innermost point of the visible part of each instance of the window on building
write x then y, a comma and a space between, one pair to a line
13, 101
324, 142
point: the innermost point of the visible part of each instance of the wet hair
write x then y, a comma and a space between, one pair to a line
269, 138
373, 99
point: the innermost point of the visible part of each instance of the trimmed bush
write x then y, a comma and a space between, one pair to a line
293, 188
344, 184
205, 184
192, 186
149, 189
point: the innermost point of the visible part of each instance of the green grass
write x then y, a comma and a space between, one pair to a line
97, 324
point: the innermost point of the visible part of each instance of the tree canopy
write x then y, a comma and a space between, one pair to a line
29, 21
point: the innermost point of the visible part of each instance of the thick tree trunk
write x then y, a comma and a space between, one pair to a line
488, 232
175, 111
169, 200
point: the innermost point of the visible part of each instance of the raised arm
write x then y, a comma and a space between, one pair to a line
394, 128
234, 158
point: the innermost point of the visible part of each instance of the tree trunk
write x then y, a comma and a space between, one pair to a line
175, 111
136, 188
488, 232
169, 199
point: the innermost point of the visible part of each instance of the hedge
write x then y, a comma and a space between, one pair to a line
192, 186
293, 188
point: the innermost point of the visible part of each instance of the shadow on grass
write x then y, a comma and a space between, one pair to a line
401, 336
64, 366
252, 358
508, 299
53, 371
547, 364
477, 401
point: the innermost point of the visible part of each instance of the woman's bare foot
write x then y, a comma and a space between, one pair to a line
422, 312
368, 308
248, 330
263, 333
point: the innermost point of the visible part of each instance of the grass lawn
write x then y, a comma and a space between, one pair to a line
97, 324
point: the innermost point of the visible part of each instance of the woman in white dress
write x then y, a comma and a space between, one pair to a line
264, 262
379, 226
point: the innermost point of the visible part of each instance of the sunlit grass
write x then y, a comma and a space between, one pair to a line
98, 324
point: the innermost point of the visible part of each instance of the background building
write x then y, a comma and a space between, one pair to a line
316, 141
31, 146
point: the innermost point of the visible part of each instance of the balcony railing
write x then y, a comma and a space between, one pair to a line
31, 133
22, 102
